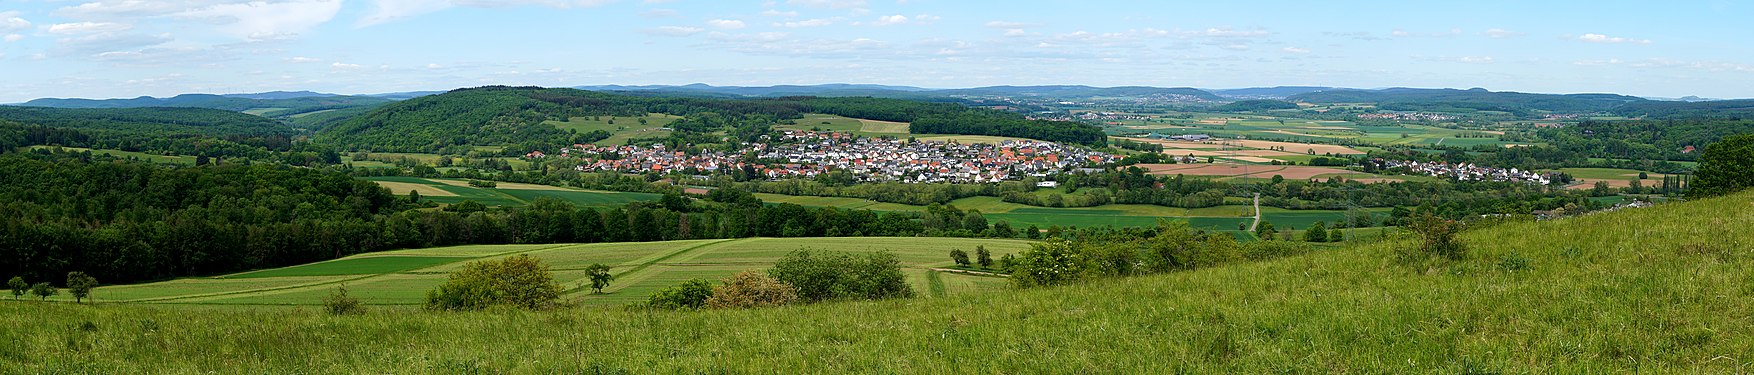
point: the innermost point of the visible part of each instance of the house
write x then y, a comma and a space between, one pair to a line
1048, 184
1688, 150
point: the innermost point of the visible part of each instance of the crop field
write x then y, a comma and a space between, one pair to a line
403, 277
833, 123
506, 194
1586, 177
964, 139
1019, 216
1298, 130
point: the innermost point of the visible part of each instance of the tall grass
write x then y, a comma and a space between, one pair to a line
1661, 290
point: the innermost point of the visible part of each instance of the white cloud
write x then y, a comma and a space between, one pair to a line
302, 60
836, 4
1502, 33
1007, 25
1016, 32
926, 18
88, 27
1226, 32
890, 20
434, 66
673, 30
346, 66
1408, 34
776, 13
392, 10
805, 23
267, 20
725, 24
14, 37
1295, 50
1599, 38
10, 22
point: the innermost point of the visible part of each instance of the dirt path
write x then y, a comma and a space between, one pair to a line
1257, 213
979, 273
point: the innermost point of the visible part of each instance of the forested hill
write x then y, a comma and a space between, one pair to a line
514, 116
163, 122
1719, 109
267, 104
1407, 99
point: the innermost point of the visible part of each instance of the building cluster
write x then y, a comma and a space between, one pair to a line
1468, 171
798, 153
1406, 116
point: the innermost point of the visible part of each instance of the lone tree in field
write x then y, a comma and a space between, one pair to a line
339, 303
600, 277
43, 291
80, 285
1316, 233
961, 257
1437, 237
1726, 167
520, 281
18, 286
983, 257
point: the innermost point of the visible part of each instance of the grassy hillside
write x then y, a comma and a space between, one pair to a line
1660, 290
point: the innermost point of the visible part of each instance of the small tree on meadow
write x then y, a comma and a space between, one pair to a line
961, 257
80, 285
1316, 233
520, 281
1437, 238
18, 286
600, 276
1265, 231
983, 257
44, 291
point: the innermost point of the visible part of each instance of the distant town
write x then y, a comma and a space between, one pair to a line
797, 153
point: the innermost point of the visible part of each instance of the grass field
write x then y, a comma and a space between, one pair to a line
1633, 291
403, 277
1219, 218
506, 194
620, 128
166, 159
832, 123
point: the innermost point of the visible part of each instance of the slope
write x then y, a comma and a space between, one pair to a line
1660, 290
1450, 100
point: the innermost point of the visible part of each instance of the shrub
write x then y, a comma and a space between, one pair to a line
1437, 238
600, 277
520, 281
983, 257
691, 294
1047, 263
1316, 233
751, 289
339, 303
80, 285
44, 290
825, 275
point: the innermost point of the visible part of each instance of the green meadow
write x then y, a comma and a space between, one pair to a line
641, 268
1668, 289
509, 195
620, 128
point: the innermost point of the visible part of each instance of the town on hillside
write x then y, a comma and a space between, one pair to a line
798, 153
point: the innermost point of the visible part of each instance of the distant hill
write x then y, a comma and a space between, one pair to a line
152, 121
1722, 109
1254, 105
403, 95
273, 104
1275, 92
907, 92
1452, 100
1081, 92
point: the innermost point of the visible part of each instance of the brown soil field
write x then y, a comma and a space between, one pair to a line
1251, 159
1297, 147
424, 189
505, 185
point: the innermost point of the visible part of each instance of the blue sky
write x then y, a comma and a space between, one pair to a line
127, 48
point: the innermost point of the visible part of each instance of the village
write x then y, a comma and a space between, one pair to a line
1467, 171
798, 153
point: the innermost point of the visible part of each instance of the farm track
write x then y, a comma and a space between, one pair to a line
634, 274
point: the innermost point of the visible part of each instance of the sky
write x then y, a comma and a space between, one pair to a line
129, 48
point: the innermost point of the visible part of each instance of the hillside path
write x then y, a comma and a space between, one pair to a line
1257, 213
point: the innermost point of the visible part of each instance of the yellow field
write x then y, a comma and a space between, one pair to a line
425, 190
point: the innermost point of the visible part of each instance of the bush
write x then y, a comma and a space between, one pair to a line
43, 290
751, 289
1047, 263
339, 303
1437, 238
825, 275
690, 295
18, 286
520, 281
